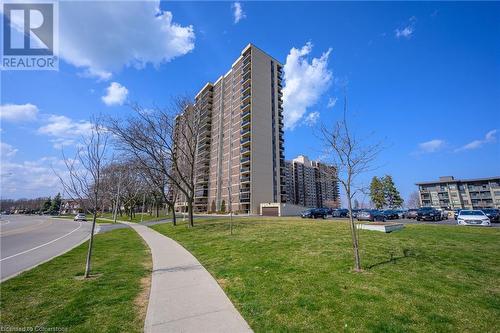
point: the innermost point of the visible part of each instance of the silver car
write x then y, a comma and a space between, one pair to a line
80, 217
473, 217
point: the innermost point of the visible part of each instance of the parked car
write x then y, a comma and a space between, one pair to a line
455, 213
371, 215
354, 213
428, 214
444, 213
80, 217
390, 214
493, 214
401, 213
313, 213
411, 213
340, 212
473, 217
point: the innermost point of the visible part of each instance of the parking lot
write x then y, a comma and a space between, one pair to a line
413, 221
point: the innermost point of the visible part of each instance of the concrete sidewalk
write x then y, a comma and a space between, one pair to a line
184, 296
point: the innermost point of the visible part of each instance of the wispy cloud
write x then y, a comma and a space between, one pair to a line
407, 30
312, 118
331, 102
305, 82
116, 94
431, 146
64, 131
238, 12
490, 137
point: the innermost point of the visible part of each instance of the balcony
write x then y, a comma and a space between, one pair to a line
245, 89
245, 189
245, 106
245, 97
244, 132
245, 115
245, 141
246, 65
245, 170
245, 160
245, 79
245, 197
245, 151
245, 179
245, 123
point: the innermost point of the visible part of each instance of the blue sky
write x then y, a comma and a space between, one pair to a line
424, 78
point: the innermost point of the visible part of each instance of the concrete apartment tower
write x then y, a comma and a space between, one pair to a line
311, 183
241, 147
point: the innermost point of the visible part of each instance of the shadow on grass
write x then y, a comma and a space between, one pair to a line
407, 253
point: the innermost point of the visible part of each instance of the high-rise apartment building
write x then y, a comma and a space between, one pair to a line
240, 158
451, 193
311, 183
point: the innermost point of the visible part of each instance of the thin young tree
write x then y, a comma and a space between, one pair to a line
350, 157
413, 200
84, 176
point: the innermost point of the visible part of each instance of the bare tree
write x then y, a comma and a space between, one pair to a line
164, 143
83, 182
350, 158
413, 200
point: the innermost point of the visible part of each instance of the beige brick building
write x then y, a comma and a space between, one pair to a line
311, 183
240, 156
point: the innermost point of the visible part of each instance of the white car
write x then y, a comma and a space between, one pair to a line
80, 217
473, 217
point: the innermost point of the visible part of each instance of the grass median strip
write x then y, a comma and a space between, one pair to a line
295, 275
53, 295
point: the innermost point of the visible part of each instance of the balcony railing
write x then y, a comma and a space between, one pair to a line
245, 131
244, 179
245, 160
245, 89
245, 140
245, 123
245, 114
245, 150
245, 169
244, 105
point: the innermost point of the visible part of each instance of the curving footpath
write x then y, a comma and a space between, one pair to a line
184, 297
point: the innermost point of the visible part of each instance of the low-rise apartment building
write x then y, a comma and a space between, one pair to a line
451, 193
311, 183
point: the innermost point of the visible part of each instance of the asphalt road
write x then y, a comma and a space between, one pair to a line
27, 241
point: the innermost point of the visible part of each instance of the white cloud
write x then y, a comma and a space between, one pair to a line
331, 102
238, 12
116, 94
312, 118
431, 146
490, 137
305, 82
18, 112
64, 131
31, 178
407, 30
6, 151
101, 37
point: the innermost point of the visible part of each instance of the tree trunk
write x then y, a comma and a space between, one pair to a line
190, 212
172, 209
91, 243
355, 246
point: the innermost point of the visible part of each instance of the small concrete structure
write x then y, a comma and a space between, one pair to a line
280, 209
379, 226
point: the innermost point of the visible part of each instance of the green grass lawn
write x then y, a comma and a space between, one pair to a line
137, 218
51, 295
296, 275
